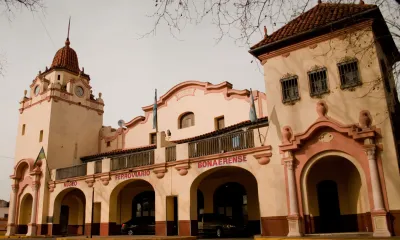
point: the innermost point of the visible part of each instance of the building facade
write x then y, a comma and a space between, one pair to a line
322, 156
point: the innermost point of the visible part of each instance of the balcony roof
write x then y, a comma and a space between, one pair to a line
248, 123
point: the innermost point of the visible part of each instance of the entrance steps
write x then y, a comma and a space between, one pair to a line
328, 236
105, 237
129, 237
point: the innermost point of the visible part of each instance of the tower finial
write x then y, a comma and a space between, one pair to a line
67, 41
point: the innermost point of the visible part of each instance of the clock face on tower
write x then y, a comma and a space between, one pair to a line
79, 91
36, 91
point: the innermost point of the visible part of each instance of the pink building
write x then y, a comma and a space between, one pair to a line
321, 157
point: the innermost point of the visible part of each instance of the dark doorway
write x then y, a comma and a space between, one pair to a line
328, 204
64, 215
230, 200
172, 216
200, 203
143, 213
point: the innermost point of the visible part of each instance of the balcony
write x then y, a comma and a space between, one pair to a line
170, 154
167, 152
222, 144
137, 159
70, 172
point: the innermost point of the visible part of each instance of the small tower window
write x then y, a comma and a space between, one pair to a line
219, 123
58, 77
349, 75
41, 136
108, 143
153, 138
290, 89
186, 120
23, 130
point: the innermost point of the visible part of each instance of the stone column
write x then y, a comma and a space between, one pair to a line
379, 220
11, 227
32, 225
293, 218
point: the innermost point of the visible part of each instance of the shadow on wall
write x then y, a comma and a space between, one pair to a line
274, 120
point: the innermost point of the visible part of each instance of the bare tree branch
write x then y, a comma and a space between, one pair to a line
8, 9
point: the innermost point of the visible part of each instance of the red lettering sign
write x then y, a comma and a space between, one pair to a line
129, 175
222, 161
70, 184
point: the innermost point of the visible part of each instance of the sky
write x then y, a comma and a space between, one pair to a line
124, 68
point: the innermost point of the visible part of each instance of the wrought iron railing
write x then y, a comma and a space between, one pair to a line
170, 154
69, 172
220, 144
136, 159
98, 166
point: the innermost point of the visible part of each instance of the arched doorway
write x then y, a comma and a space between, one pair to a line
69, 213
228, 197
335, 197
132, 209
25, 211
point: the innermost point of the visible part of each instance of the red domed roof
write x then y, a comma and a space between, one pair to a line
66, 58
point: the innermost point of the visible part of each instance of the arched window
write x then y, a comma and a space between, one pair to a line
186, 120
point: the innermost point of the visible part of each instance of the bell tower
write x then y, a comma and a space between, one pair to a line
60, 113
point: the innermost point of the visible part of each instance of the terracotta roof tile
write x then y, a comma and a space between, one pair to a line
321, 15
66, 58
149, 147
223, 130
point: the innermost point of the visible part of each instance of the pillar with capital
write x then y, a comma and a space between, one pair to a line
293, 217
32, 227
11, 226
379, 219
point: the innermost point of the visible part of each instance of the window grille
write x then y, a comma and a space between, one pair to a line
318, 82
290, 89
349, 76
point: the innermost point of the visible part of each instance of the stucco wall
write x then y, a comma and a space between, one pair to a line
206, 106
74, 132
369, 96
35, 120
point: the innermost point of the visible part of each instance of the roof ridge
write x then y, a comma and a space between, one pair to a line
320, 15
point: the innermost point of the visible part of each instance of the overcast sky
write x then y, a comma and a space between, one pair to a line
126, 70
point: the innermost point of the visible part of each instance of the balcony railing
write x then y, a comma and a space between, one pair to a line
221, 144
170, 154
98, 166
69, 172
133, 160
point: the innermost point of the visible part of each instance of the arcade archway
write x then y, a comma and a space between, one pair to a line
132, 209
25, 211
69, 213
335, 197
228, 195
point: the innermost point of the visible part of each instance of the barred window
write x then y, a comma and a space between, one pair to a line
290, 89
349, 76
318, 82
